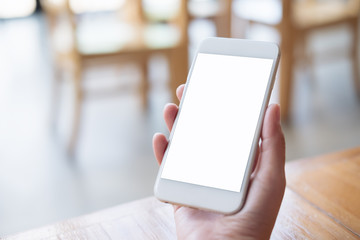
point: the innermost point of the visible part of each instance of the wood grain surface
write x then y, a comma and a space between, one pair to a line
322, 201
332, 183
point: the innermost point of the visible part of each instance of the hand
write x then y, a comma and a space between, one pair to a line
257, 218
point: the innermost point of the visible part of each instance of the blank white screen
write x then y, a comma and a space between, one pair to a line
217, 122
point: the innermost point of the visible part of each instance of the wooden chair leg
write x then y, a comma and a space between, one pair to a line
355, 56
223, 21
54, 112
286, 73
179, 66
78, 98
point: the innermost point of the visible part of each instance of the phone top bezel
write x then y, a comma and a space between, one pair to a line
208, 198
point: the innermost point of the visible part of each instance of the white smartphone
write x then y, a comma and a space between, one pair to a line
213, 142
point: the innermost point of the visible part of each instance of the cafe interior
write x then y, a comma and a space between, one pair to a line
83, 84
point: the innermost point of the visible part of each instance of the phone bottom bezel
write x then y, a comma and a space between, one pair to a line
201, 197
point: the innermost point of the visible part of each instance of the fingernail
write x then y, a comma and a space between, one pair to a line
156, 134
166, 106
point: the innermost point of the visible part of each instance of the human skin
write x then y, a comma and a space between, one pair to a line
267, 184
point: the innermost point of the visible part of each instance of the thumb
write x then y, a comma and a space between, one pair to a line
268, 181
272, 149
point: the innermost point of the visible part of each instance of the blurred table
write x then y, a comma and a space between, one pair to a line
322, 201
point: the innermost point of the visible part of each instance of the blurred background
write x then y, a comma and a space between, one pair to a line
83, 85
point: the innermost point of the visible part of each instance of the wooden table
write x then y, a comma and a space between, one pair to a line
322, 201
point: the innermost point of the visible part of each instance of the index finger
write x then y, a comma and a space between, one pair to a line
180, 91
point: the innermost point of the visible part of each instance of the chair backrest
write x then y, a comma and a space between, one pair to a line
132, 11
275, 12
312, 14
217, 11
166, 11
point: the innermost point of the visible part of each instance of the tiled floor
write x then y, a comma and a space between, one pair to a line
39, 184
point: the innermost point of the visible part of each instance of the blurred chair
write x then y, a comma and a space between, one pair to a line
294, 19
17, 9
217, 11
129, 34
